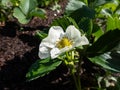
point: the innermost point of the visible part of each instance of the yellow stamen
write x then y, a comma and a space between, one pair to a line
64, 42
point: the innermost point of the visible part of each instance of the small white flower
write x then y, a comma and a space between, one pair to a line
59, 41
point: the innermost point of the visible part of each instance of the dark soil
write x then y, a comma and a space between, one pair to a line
16, 40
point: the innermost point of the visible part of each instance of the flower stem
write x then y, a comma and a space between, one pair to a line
73, 70
77, 81
75, 75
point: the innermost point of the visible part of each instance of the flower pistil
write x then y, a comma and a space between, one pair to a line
64, 42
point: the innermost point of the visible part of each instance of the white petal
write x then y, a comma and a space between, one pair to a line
49, 42
84, 40
73, 34
55, 52
54, 34
44, 43
44, 52
67, 48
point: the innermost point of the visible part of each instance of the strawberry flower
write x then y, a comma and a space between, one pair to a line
58, 41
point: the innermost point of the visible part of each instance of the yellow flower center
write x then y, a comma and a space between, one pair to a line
64, 42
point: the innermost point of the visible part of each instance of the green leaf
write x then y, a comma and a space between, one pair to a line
107, 9
110, 23
73, 5
111, 5
20, 16
26, 10
84, 11
117, 48
86, 25
113, 23
41, 68
97, 32
118, 83
41, 35
101, 2
38, 12
108, 61
6, 3
106, 12
85, 1
64, 22
27, 5
118, 11
105, 43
